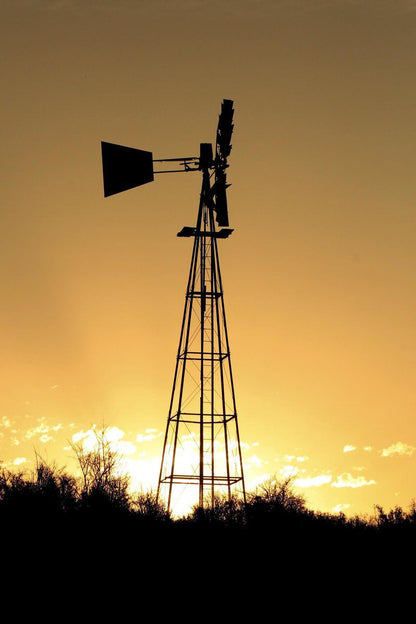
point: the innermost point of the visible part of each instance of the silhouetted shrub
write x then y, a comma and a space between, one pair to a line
220, 511
48, 492
275, 504
146, 505
58, 511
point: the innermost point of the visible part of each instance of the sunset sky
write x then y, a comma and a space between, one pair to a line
319, 273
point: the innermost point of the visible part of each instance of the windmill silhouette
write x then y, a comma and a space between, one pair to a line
202, 442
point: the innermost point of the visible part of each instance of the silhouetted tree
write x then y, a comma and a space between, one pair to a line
57, 488
275, 500
103, 485
280, 494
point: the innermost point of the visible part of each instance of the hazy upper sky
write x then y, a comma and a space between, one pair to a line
319, 273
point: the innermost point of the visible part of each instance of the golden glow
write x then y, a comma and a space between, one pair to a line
318, 274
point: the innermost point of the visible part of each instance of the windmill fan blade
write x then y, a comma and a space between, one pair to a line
222, 209
220, 195
223, 149
124, 168
225, 129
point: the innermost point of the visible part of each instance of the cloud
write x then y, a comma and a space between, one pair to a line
300, 458
113, 435
347, 480
45, 438
254, 460
124, 447
340, 507
288, 471
398, 448
259, 480
83, 436
43, 430
149, 434
317, 481
348, 448
19, 460
5, 422
143, 472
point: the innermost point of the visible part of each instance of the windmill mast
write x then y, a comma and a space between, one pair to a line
202, 442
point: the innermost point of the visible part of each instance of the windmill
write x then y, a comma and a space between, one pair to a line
202, 442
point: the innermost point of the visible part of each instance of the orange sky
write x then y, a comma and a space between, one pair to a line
319, 273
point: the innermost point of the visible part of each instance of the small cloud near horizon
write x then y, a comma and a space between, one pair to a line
19, 460
43, 431
347, 480
317, 481
341, 507
297, 458
398, 448
255, 460
349, 448
149, 434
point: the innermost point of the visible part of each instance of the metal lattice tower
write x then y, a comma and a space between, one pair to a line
202, 443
